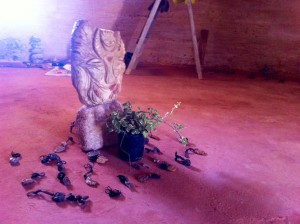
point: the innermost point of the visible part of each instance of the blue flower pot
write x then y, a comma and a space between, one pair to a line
131, 147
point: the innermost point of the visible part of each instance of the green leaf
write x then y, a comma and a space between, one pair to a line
141, 122
183, 140
145, 133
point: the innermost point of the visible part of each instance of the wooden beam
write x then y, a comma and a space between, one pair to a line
138, 49
194, 37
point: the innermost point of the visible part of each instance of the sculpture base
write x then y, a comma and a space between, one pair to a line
90, 126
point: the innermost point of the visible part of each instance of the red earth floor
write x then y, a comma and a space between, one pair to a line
249, 128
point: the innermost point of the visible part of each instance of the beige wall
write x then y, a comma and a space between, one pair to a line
242, 34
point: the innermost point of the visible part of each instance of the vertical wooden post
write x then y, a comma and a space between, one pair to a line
194, 37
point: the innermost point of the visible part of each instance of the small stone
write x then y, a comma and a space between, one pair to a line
101, 159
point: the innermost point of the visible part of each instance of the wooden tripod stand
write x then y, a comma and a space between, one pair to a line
142, 40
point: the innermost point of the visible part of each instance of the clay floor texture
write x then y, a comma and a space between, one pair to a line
248, 127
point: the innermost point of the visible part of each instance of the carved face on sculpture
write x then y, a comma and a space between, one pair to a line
109, 39
97, 64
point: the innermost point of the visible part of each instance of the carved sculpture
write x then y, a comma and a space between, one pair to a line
97, 59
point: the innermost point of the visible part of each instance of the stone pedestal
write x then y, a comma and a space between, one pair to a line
97, 59
90, 126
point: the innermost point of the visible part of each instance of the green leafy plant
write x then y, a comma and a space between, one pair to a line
142, 121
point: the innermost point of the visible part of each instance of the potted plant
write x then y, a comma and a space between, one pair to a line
133, 126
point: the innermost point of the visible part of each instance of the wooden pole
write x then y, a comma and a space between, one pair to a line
194, 37
139, 47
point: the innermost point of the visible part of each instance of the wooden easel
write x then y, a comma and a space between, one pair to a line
142, 40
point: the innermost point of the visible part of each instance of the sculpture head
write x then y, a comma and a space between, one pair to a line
109, 39
97, 57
